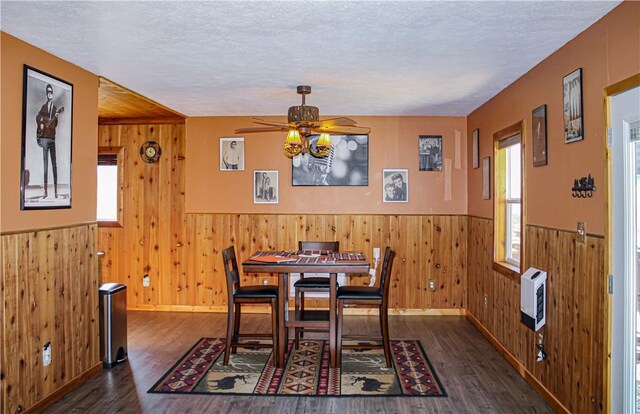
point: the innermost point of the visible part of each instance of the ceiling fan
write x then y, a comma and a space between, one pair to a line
303, 120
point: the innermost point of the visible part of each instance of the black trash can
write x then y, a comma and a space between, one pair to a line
113, 323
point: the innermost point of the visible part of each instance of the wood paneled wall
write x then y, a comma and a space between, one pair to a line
428, 247
153, 234
574, 333
49, 294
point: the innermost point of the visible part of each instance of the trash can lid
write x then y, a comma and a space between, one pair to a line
110, 288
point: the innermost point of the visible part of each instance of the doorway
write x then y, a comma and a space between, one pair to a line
624, 128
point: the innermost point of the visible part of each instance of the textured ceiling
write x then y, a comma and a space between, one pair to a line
361, 58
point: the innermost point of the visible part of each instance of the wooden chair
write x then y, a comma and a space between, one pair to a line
237, 295
365, 295
311, 284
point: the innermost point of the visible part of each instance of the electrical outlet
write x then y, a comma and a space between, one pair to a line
486, 301
540, 338
376, 252
146, 282
432, 284
265, 281
46, 354
582, 232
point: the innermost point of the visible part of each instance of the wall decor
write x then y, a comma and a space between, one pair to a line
150, 152
265, 187
475, 148
573, 120
395, 185
430, 148
232, 154
346, 165
539, 127
486, 178
47, 120
583, 187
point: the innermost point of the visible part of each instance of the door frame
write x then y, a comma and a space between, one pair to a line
608, 93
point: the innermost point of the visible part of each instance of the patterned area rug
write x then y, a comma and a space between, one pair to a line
307, 372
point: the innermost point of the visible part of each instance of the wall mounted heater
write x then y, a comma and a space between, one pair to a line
533, 298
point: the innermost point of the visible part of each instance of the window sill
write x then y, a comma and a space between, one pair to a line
507, 269
109, 224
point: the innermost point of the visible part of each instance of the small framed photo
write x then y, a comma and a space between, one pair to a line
486, 178
572, 94
539, 126
475, 148
430, 150
395, 185
47, 120
232, 154
265, 187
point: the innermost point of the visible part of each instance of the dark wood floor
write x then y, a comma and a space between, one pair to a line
474, 374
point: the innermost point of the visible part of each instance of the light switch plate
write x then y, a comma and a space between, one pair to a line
582, 232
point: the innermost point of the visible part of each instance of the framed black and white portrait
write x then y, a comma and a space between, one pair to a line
47, 120
572, 94
265, 187
486, 178
346, 165
539, 127
395, 185
232, 154
430, 150
475, 148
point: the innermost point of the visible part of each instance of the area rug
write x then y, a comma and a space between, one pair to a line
307, 372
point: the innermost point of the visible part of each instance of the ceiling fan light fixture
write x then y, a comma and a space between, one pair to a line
293, 144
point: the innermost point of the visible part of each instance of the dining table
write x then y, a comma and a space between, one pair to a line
296, 261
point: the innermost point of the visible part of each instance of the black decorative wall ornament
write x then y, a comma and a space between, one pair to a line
583, 187
150, 152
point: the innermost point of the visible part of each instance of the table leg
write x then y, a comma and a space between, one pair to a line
332, 319
283, 299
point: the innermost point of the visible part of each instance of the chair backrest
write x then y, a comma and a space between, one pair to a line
231, 270
385, 274
332, 246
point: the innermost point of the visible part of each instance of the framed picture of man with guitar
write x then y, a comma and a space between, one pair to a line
45, 180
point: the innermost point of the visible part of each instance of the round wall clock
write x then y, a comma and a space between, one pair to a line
150, 152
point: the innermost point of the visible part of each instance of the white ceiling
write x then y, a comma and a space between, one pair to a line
360, 57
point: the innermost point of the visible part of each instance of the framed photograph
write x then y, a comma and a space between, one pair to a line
47, 120
346, 165
430, 148
265, 187
572, 93
486, 178
232, 154
475, 148
539, 127
395, 185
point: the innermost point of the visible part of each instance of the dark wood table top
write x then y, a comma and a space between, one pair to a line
299, 261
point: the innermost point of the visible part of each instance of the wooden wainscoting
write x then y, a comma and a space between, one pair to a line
428, 247
49, 295
574, 335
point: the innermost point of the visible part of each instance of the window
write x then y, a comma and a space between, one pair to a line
508, 211
109, 205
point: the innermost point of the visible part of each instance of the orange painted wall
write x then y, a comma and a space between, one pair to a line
393, 143
607, 52
16, 53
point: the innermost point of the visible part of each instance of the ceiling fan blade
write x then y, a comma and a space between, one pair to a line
342, 121
265, 122
347, 130
262, 129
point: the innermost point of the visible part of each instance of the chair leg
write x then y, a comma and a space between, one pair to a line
339, 333
384, 327
236, 326
297, 309
301, 311
230, 328
274, 330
